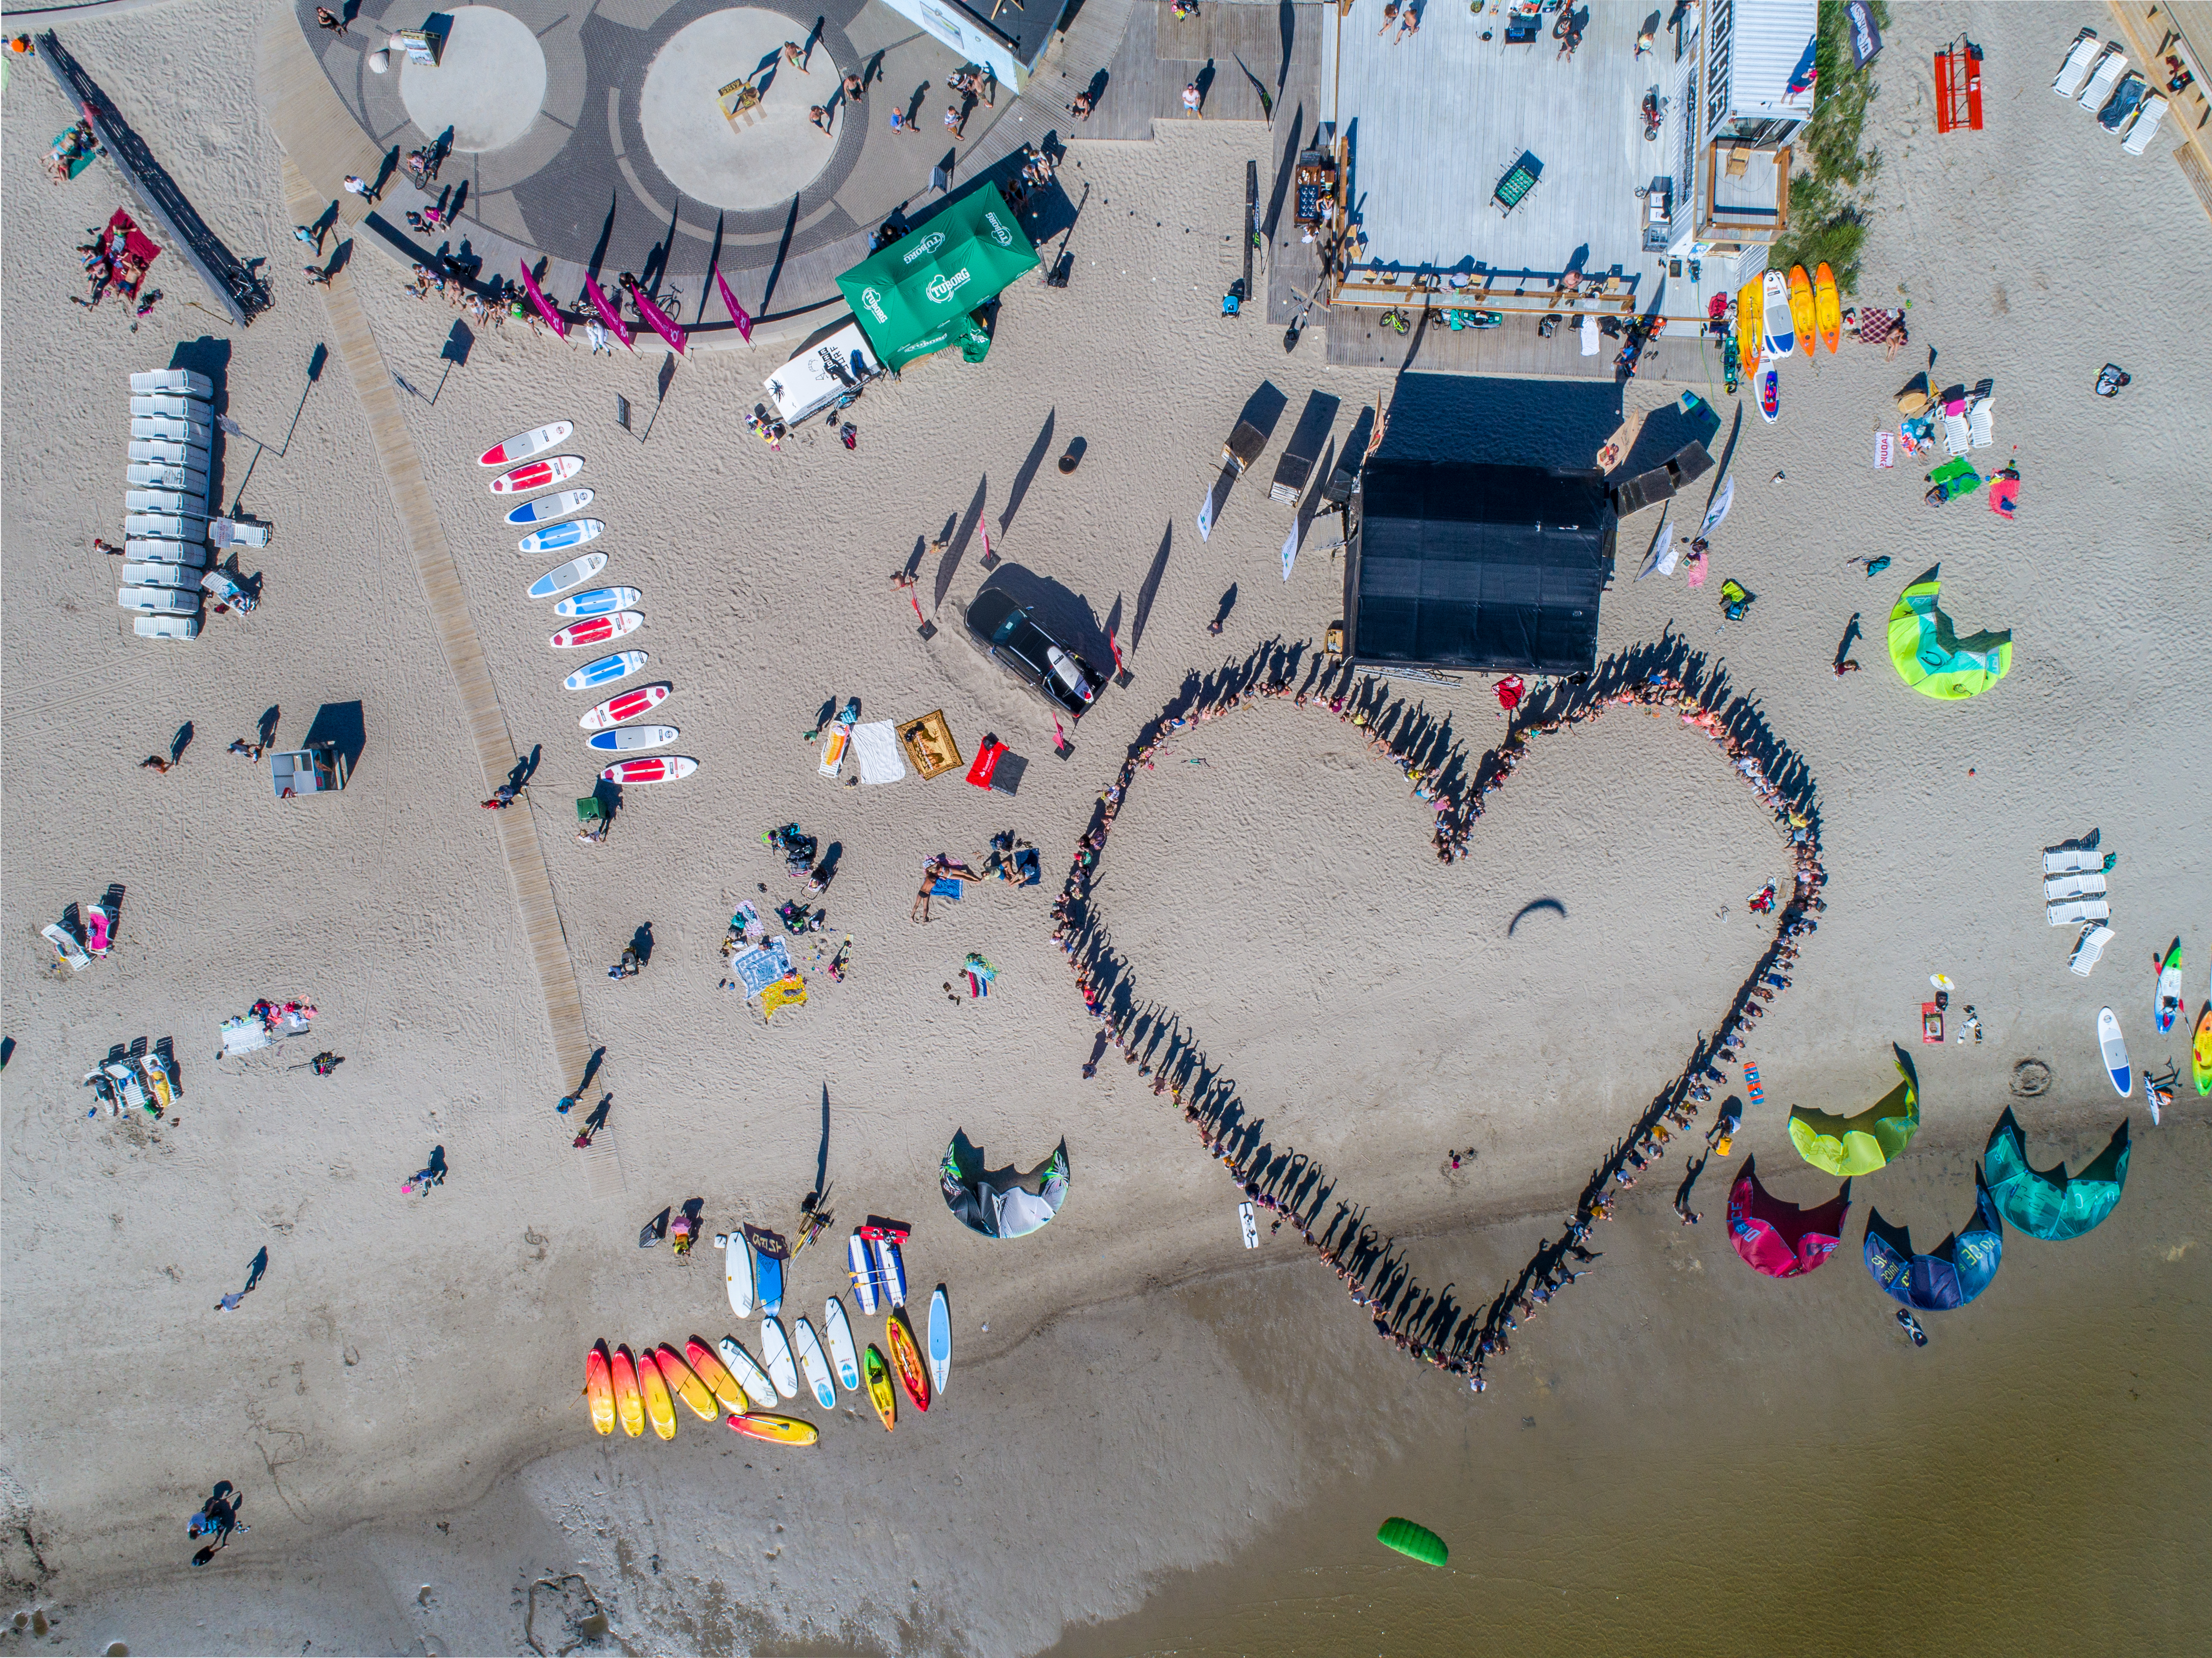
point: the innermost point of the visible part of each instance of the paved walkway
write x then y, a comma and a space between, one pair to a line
528, 878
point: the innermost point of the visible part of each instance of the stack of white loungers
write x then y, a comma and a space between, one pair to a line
165, 526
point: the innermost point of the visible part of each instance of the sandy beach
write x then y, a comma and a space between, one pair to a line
1136, 1403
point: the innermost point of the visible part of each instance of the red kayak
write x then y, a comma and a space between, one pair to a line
598, 630
657, 768
627, 706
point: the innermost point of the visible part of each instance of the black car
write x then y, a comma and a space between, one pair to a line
1002, 631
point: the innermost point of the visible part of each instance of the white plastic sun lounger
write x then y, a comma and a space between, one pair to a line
155, 475
170, 451
2147, 119
177, 526
2088, 947
2057, 887
160, 601
166, 627
1956, 434
174, 408
158, 550
2071, 73
167, 429
177, 382
1981, 417
2072, 861
182, 577
238, 533
164, 500
2112, 65
2081, 909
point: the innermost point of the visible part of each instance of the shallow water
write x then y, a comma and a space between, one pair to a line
1712, 1463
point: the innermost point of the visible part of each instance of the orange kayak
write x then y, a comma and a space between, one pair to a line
686, 1386
658, 1407
1801, 308
908, 1357
878, 1376
716, 1375
599, 1387
1750, 314
1827, 308
781, 1429
628, 1404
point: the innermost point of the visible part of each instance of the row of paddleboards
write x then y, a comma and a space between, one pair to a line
598, 616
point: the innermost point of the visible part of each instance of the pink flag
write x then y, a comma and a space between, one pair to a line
553, 318
737, 311
661, 323
609, 315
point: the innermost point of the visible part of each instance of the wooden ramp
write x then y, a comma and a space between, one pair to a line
528, 878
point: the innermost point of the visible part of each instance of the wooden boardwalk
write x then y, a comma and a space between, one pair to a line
528, 878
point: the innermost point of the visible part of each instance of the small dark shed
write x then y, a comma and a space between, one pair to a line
1461, 565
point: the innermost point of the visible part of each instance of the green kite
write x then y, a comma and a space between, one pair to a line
1930, 655
2049, 1203
1859, 1145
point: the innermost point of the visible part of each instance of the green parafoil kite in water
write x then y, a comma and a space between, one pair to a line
1418, 1542
1863, 1144
1930, 655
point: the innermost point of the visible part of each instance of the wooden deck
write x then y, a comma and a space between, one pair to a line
528, 878
1148, 64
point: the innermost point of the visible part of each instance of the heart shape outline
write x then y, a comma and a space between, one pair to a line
1660, 676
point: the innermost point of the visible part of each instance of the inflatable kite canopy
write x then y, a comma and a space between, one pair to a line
999, 1203
1779, 1239
1928, 654
1953, 1273
2049, 1203
1416, 1541
1861, 1144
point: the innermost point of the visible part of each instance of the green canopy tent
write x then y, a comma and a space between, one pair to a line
919, 294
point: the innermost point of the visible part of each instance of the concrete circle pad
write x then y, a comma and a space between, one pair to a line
488, 85
772, 151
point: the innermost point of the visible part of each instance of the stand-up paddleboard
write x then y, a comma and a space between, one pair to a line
574, 533
775, 1355
546, 508
840, 736
861, 1267
605, 671
778, 1430
750, 1377
1801, 308
554, 469
2167, 1007
1827, 309
627, 706
768, 1269
1748, 318
815, 1363
940, 1338
630, 1404
737, 1269
879, 1387
840, 1340
599, 1387
600, 601
684, 1384
575, 574
906, 1358
597, 630
1770, 395
1778, 335
653, 768
530, 443
2114, 1052
623, 738
2201, 1055
660, 1407
716, 1375
890, 1271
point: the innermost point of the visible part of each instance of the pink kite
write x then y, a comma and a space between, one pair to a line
661, 323
1779, 1239
609, 315
554, 319
737, 311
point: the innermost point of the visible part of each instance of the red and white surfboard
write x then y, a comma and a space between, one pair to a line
656, 768
627, 706
528, 443
598, 630
537, 473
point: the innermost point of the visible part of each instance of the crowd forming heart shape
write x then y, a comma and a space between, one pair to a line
1663, 680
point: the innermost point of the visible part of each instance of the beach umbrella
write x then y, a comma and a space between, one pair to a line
1779, 1239
1951, 1274
1929, 653
1418, 1542
1861, 1144
2049, 1203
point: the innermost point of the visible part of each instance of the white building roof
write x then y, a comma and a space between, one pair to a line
1771, 48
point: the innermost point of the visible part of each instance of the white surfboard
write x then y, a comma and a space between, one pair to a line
775, 1352
574, 533
2114, 1052
890, 1271
816, 1363
738, 1270
575, 574
753, 1379
941, 1341
546, 508
841, 1344
624, 739
599, 602
530, 443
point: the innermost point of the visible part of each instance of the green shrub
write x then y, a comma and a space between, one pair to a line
1828, 218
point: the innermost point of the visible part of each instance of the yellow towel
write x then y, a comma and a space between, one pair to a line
787, 992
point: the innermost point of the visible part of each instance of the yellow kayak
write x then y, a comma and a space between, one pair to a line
1801, 307
716, 1375
688, 1387
1827, 308
1748, 312
781, 1429
628, 1403
658, 1407
599, 1387
879, 1386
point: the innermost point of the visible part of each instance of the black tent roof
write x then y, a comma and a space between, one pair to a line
1457, 564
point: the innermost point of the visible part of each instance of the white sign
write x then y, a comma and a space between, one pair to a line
974, 44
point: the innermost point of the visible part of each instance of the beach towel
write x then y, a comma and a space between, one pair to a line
789, 992
2004, 495
244, 1036
986, 762
757, 968
876, 746
1885, 449
946, 887
1027, 869
1590, 337
1696, 569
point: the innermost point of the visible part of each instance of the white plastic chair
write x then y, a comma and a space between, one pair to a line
2147, 119
2067, 83
2088, 947
2112, 65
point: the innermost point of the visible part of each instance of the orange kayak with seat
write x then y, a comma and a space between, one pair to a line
686, 1386
599, 1387
1827, 308
779, 1430
660, 1408
1801, 307
1748, 314
716, 1375
908, 1357
629, 1405
878, 1376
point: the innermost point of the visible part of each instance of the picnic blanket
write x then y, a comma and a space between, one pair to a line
760, 967
876, 746
245, 1034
